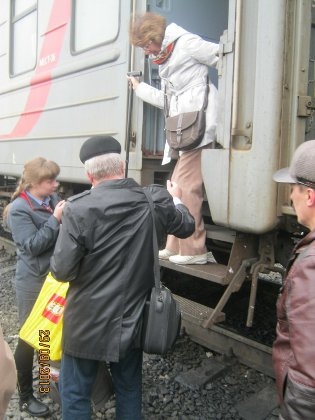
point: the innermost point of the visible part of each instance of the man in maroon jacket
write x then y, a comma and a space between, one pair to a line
294, 347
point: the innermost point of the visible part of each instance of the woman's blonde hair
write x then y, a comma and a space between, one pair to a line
145, 28
35, 171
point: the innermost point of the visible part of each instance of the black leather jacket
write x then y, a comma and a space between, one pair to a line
105, 251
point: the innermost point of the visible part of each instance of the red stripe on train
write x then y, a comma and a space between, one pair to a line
48, 59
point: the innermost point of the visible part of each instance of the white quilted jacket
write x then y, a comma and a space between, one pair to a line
183, 77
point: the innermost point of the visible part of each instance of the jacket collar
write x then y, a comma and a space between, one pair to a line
41, 206
117, 183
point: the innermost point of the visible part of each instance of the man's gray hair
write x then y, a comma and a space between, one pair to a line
104, 166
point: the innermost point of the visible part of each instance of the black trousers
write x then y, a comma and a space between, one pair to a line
24, 356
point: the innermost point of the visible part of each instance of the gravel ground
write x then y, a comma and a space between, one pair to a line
171, 386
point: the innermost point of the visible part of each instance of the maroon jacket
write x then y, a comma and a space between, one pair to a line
294, 348
7, 375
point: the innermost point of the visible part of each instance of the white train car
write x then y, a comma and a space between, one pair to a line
63, 78
63, 66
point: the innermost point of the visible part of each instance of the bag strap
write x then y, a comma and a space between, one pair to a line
157, 274
166, 109
205, 101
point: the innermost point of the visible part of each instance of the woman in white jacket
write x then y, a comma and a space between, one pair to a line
183, 60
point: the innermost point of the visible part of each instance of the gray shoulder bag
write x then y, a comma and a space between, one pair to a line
185, 131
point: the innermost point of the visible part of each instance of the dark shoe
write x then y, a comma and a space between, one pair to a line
34, 407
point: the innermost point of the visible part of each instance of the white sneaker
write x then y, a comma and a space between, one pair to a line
210, 258
164, 254
189, 259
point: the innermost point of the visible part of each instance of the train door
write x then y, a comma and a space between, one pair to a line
263, 86
206, 18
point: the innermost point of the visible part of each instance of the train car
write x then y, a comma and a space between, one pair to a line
63, 66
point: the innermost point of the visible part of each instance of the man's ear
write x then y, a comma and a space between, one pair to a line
89, 177
311, 197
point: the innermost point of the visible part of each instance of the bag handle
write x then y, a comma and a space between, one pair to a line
157, 274
205, 101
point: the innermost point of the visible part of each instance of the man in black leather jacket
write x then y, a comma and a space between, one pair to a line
105, 251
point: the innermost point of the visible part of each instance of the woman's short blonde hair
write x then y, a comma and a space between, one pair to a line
145, 28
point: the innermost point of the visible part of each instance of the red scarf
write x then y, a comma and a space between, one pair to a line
165, 54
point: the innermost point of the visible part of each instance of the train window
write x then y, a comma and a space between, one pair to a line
23, 45
94, 23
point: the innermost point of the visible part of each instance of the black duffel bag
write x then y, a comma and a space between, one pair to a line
161, 321
162, 315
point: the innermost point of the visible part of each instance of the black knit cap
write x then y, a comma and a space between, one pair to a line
98, 145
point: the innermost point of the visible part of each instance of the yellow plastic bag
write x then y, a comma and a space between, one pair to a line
43, 328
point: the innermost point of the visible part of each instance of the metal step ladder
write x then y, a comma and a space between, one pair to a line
243, 255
